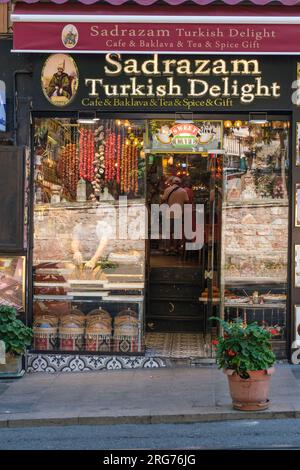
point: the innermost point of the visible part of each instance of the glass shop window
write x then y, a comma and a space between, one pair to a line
88, 160
88, 281
255, 223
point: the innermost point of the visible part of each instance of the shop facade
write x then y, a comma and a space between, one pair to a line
109, 130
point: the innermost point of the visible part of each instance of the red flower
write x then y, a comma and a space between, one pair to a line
273, 331
231, 353
215, 342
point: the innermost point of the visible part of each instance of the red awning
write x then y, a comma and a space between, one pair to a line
169, 2
77, 28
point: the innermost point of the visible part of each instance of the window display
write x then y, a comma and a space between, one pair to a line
88, 275
109, 326
255, 223
297, 205
297, 265
12, 281
297, 325
79, 160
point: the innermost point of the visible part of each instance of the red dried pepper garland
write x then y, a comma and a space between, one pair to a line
119, 150
136, 170
106, 154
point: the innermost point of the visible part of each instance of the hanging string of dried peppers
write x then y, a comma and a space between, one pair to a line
119, 150
136, 170
123, 160
106, 152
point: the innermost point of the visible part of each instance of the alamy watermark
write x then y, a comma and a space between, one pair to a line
130, 221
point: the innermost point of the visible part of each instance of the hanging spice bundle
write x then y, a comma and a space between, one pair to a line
130, 166
110, 153
136, 170
127, 159
86, 146
126, 165
106, 153
111, 156
99, 163
123, 161
119, 150
69, 169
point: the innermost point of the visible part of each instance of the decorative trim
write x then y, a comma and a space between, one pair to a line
79, 363
152, 19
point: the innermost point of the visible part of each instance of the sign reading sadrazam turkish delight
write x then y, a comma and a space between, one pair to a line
162, 37
115, 81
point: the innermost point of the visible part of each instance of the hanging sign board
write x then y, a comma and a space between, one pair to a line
184, 135
198, 136
2, 107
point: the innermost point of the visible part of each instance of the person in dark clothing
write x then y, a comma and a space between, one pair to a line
60, 83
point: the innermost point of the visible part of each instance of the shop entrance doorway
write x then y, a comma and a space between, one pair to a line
238, 171
179, 275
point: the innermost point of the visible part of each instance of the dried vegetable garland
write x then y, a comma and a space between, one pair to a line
111, 152
99, 164
69, 168
129, 165
119, 149
136, 170
87, 153
109, 157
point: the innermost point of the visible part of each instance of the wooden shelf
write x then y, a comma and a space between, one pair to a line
257, 203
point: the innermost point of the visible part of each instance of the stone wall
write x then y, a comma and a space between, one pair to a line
256, 242
56, 228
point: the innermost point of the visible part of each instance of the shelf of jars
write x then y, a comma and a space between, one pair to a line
89, 309
88, 325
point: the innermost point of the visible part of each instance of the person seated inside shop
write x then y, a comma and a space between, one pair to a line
175, 196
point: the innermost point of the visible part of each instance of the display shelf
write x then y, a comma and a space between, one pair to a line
246, 304
87, 204
78, 296
257, 203
253, 252
52, 284
94, 294
255, 306
257, 281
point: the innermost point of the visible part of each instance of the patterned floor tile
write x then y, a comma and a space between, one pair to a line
178, 345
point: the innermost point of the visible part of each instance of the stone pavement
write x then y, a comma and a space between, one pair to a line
137, 396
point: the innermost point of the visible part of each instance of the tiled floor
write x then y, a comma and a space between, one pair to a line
178, 345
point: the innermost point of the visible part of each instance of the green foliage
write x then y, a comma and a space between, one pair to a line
104, 263
244, 347
13, 332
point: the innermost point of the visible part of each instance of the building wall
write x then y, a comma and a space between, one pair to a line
15, 72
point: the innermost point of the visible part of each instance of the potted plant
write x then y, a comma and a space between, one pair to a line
16, 337
244, 353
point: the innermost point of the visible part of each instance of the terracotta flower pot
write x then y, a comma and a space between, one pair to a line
250, 394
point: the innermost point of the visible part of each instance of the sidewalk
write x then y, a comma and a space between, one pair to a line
137, 396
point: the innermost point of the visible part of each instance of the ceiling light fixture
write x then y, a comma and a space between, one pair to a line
258, 118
